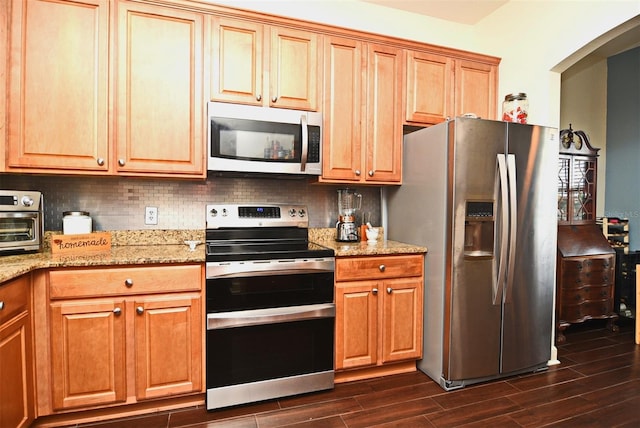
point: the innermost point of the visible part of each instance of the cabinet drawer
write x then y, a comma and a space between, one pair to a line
587, 310
70, 283
359, 268
587, 294
14, 298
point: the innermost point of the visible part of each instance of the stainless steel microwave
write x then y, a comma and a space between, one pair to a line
250, 139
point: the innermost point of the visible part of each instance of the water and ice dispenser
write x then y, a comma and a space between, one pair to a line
479, 229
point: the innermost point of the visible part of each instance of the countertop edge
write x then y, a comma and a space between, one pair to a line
173, 252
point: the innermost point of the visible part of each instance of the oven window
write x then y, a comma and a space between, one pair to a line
255, 353
17, 229
259, 292
255, 140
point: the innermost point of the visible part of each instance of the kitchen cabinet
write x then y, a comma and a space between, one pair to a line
265, 65
586, 261
440, 86
362, 106
16, 354
379, 304
62, 117
122, 335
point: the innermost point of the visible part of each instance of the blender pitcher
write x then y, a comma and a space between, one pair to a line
349, 201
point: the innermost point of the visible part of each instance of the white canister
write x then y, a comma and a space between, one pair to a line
76, 222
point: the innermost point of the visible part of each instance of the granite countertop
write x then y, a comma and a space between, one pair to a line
141, 247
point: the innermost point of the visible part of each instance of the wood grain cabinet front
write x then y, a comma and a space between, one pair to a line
379, 303
264, 65
362, 107
61, 115
17, 397
115, 339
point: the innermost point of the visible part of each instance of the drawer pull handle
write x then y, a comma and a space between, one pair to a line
389, 290
128, 282
117, 311
374, 291
1, 305
382, 268
140, 310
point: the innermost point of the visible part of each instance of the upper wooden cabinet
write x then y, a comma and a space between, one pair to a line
362, 122
58, 85
61, 96
159, 91
429, 94
265, 65
440, 86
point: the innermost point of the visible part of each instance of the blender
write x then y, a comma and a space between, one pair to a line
349, 202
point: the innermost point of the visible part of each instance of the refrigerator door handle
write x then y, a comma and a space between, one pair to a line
513, 224
502, 197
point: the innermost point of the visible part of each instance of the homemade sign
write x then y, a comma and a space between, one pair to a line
81, 244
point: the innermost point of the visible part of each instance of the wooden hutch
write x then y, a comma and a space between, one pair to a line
586, 260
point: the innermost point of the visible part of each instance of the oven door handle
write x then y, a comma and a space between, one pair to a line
235, 319
269, 268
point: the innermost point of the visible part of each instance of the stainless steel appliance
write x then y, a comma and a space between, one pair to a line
349, 202
250, 139
481, 195
270, 311
21, 221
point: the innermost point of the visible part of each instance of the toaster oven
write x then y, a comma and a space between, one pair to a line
21, 221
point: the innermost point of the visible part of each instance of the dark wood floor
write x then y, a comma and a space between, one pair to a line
597, 384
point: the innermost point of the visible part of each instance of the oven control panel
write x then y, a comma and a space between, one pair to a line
256, 215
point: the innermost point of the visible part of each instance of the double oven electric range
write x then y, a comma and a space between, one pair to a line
269, 302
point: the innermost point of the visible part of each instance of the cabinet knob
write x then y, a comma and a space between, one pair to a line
117, 311
100, 161
140, 310
382, 268
128, 282
121, 162
371, 173
1, 305
274, 99
358, 173
258, 97
374, 291
389, 290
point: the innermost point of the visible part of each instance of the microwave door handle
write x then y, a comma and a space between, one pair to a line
305, 142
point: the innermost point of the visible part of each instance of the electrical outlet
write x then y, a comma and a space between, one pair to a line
151, 215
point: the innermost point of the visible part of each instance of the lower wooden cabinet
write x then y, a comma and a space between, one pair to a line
16, 355
379, 303
122, 335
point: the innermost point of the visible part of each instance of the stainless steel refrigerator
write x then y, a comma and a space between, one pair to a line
481, 196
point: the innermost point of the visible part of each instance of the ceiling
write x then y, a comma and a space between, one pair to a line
460, 11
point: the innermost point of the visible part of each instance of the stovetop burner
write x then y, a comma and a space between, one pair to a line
259, 232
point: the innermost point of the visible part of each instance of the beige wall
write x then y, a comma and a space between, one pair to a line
584, 105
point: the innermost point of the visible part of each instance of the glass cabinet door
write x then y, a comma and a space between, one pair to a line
576, 189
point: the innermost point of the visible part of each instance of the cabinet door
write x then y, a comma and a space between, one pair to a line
159, 91
356, 324
475, 89
293, 74
383, 154
342, 135
237, 58
168, 345
16, 356
429, 88
402, 320
58, 85
87, 353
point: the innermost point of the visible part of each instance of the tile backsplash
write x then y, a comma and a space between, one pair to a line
118, 203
